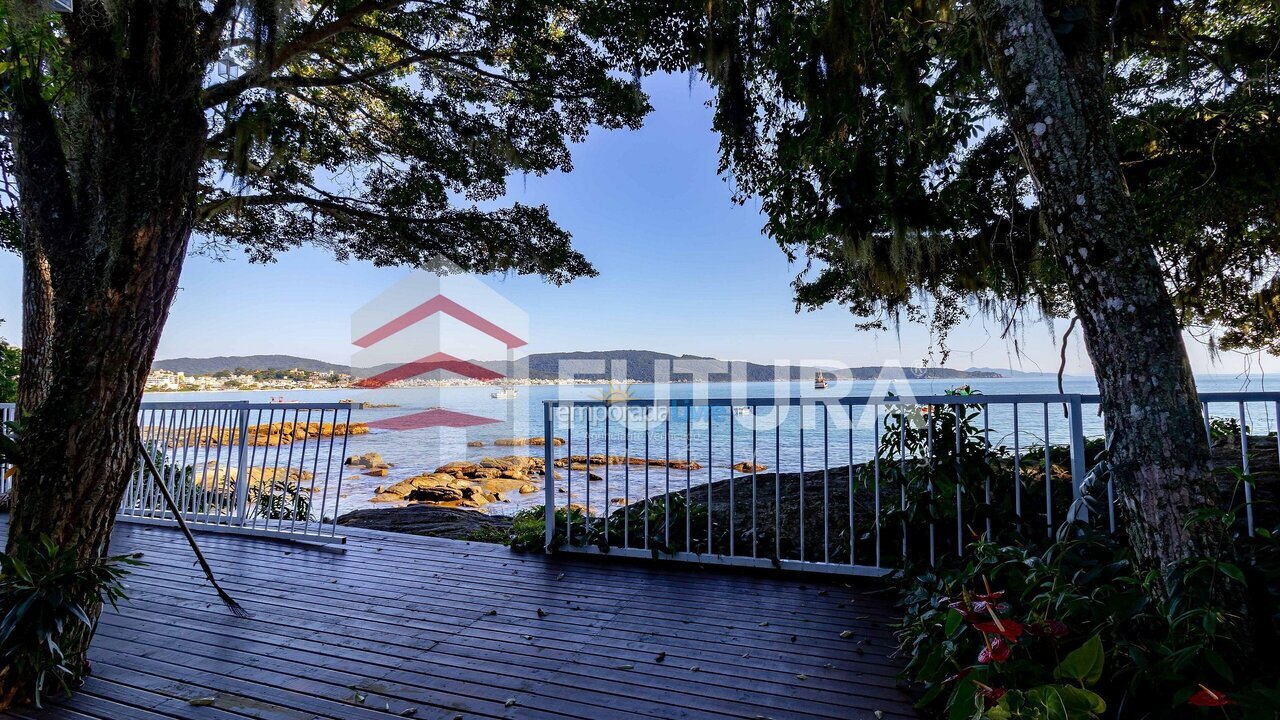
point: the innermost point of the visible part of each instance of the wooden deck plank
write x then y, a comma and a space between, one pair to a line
741, 614
453, 628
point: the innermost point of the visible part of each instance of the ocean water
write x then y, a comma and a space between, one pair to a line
817, 437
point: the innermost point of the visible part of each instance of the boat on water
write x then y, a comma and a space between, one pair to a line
506, 393
819, 381
743, 410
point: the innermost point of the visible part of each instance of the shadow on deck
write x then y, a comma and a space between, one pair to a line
406, 626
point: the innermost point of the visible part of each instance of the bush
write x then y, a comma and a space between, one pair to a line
280, 500
46, 598
1005, 632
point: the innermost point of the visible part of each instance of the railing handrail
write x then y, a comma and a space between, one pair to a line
996, 399
1004, 399
841, 483
239, 405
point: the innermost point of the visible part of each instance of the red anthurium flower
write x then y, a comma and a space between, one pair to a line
990, 695
966, 610
996, 650
982, 607
989, 596
1006, 628
1205, 697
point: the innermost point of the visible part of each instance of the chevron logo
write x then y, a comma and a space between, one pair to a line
436, 323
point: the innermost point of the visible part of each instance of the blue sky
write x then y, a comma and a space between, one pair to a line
682, 270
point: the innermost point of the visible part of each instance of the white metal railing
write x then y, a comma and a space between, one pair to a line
267, 469
848, 485
257, 468
7, 413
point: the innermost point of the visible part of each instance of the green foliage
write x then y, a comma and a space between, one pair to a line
1224, 430
391, 141
938, 465
490, 534
382, 131
46, 594
1083, 634
10, 365
187, 490
529, 529
879, 147
280, 500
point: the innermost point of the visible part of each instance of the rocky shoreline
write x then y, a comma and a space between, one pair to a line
432, 521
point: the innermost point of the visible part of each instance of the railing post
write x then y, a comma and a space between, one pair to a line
1077, 460
549, 473
7, 412
242, 470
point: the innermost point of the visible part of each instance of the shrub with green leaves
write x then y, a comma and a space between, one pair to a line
280, 500
44, 590
529, 529
1069, 631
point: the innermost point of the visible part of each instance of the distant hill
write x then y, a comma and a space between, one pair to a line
636, 365
1008, 372
208, 366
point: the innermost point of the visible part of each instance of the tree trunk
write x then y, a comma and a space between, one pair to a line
1053, 87
105, 232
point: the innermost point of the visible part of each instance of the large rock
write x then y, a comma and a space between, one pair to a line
496, 485
747, 466
369, 460
458, 468
431, 520
283, 433
440, 493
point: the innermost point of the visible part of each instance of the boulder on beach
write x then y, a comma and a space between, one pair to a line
430, 520
496, 485
477, 483
439, 493
267, 434
369, 460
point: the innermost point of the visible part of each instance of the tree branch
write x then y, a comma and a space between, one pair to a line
256, 76
335, 204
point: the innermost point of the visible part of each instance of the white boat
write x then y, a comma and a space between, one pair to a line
506, 393
819, 381
744, 410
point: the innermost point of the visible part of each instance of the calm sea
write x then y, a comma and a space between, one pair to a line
826, 437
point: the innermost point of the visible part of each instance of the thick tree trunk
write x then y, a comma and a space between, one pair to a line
105, 229
1053, 87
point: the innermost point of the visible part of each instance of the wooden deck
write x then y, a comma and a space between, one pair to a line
403, 626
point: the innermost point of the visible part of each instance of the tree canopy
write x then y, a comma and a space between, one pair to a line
379, 129
879, 146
